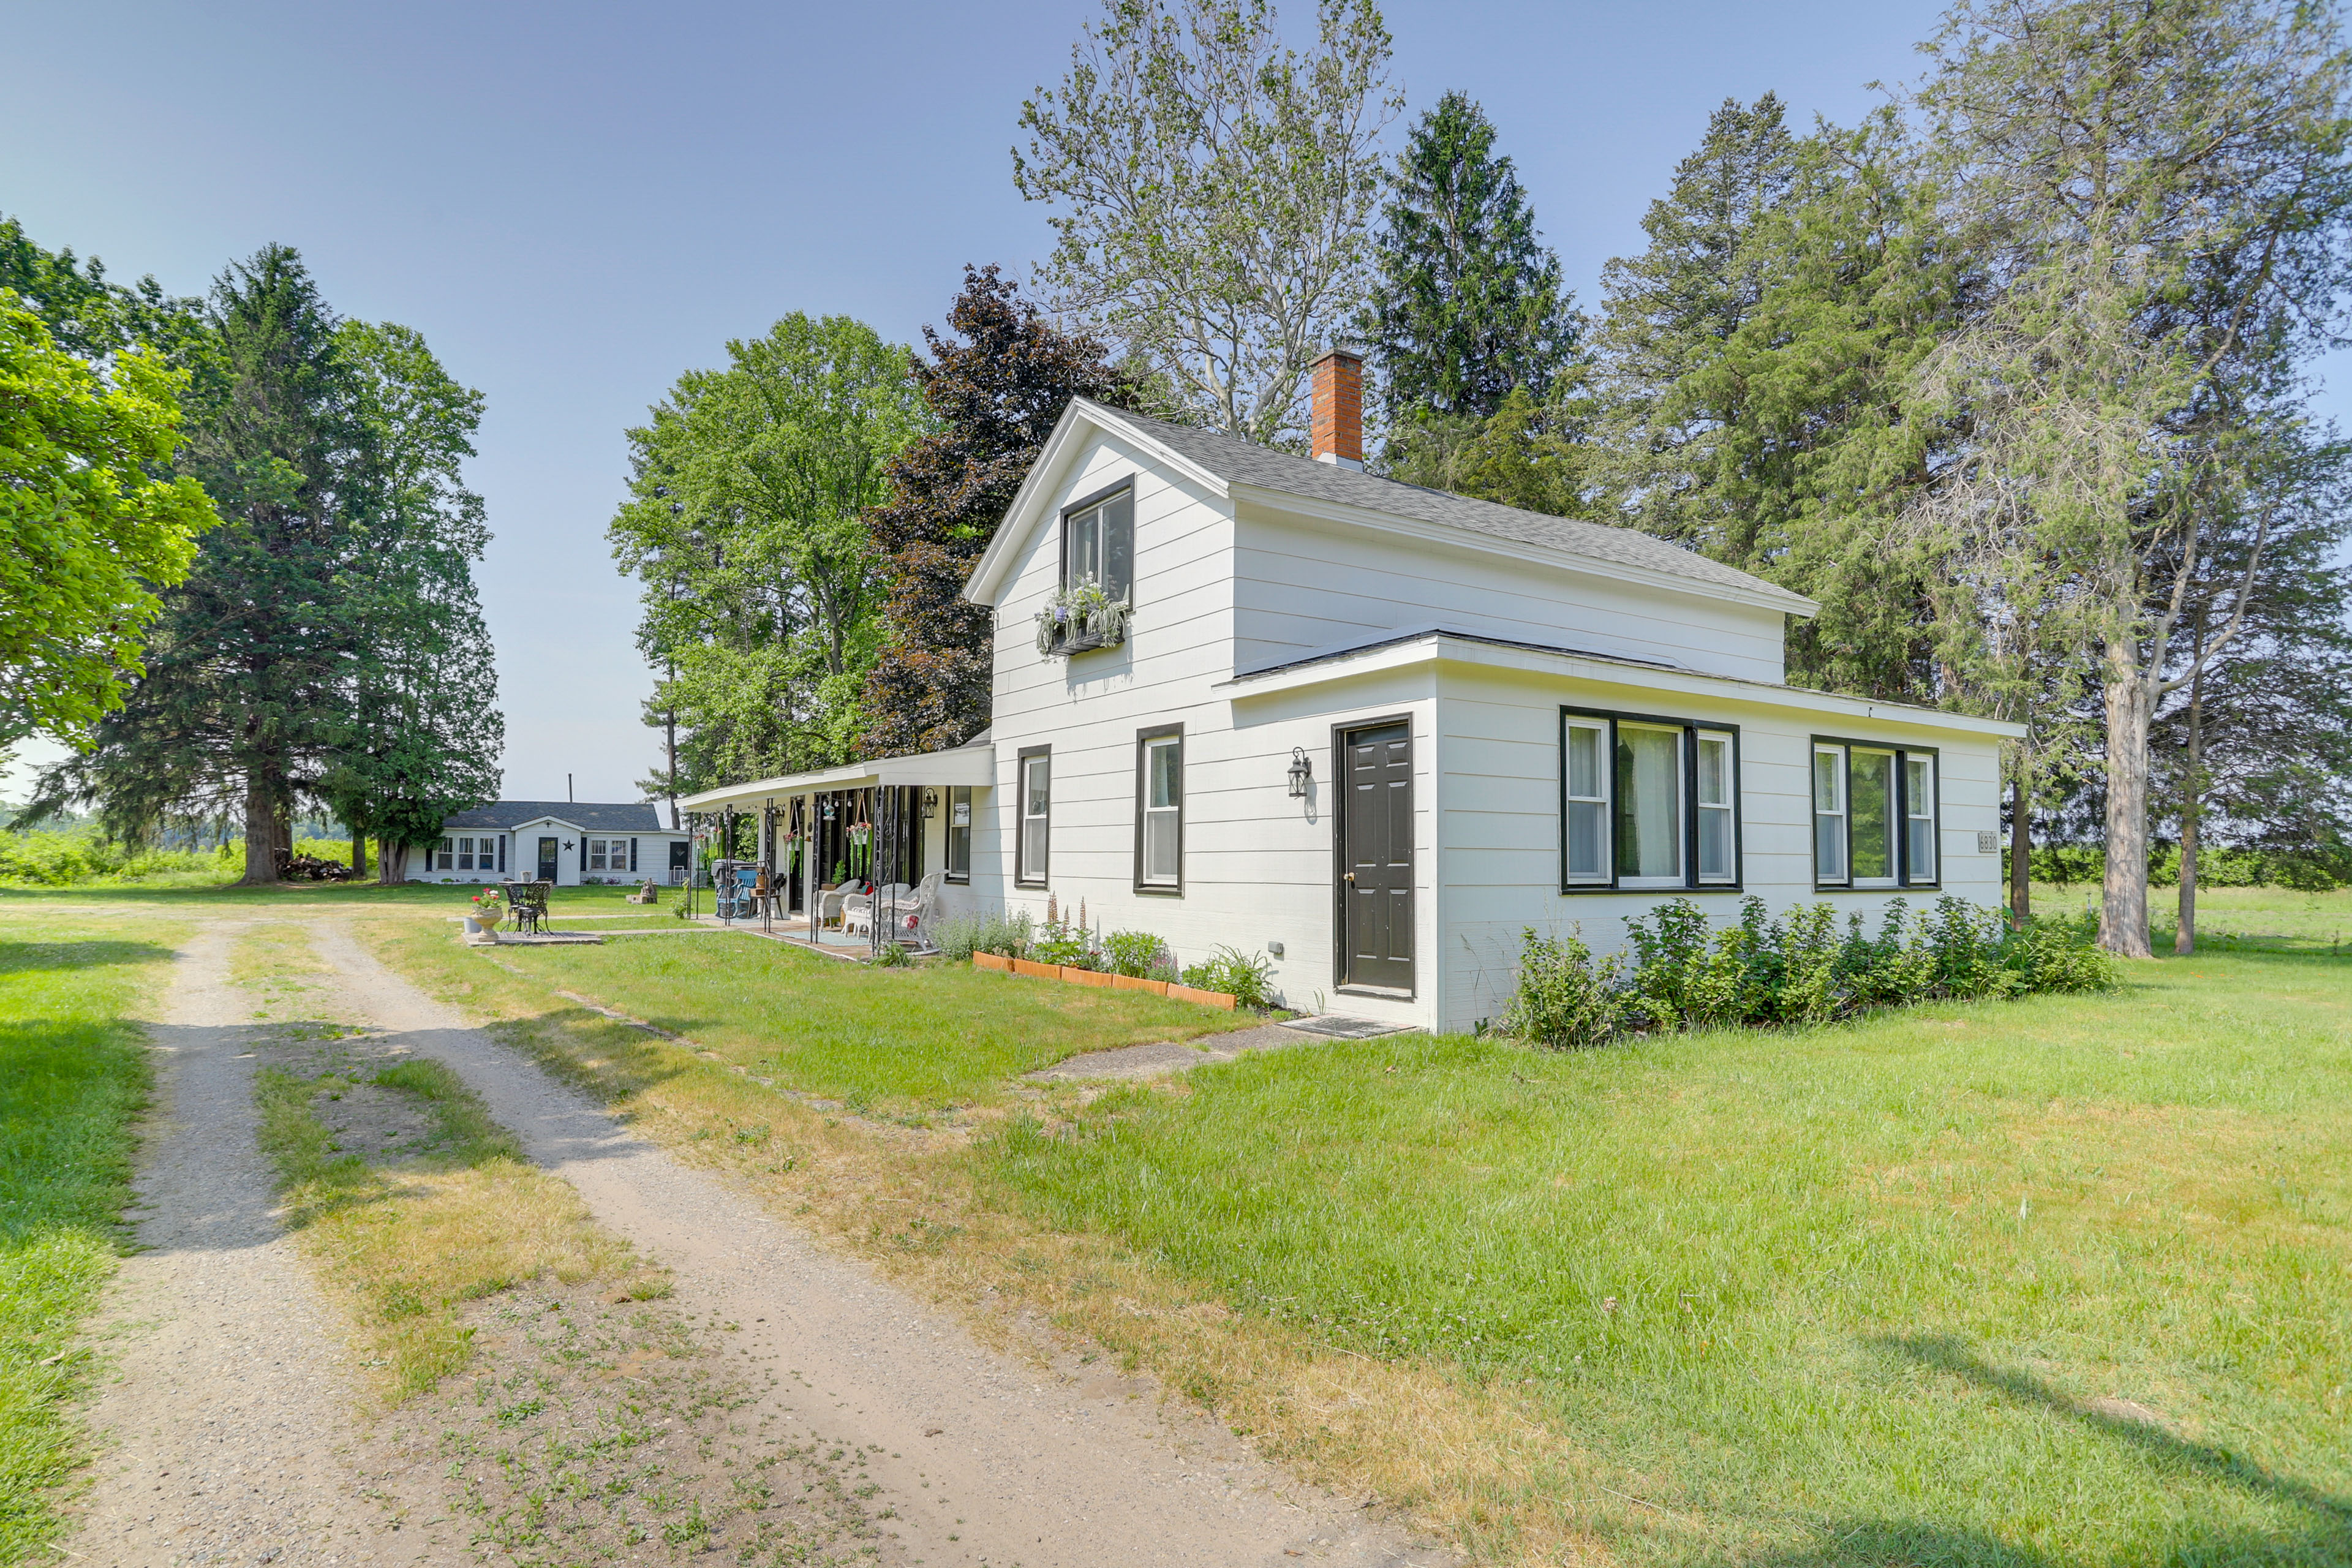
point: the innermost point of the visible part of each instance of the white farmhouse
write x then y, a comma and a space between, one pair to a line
1247, 698
560, 841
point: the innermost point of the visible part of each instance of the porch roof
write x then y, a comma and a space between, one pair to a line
973, 765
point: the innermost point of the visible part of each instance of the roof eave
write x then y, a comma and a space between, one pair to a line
1439, 647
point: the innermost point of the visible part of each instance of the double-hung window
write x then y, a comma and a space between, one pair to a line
959, 868
1874, 815
1159, 810
1037, 803
446, 856
608, 855
1647, 803
1098, 543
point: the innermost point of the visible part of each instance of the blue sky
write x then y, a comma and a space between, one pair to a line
574, 204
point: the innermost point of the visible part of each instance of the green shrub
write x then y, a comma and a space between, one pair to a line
1140, 954
1566, 999
1248, 980
1800, 969
893, 956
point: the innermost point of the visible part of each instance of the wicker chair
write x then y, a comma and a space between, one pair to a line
857, 914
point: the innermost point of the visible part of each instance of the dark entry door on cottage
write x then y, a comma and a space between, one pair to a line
547, 859
1376, 858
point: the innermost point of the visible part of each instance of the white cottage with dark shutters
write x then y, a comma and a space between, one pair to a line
1251, 698
565, 842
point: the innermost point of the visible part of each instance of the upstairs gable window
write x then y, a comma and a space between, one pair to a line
1098, 543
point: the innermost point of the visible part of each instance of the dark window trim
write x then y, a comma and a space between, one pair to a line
1143, 785
947, 873
1022, 875
1902, 807
1062, 529
1691, 729
1340, 733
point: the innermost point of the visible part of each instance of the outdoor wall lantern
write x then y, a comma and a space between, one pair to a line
930, 804
1301, 770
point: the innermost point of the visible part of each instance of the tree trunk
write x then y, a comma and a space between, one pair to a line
391, 863
2123, 917
260, 831
2020, 849
359, 853
2192, 812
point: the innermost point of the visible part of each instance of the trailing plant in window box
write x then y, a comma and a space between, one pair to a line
1081, 618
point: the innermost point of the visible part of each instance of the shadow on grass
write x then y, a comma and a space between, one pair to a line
1949, 1355
17, 957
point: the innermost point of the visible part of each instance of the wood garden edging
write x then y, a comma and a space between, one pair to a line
1070, 975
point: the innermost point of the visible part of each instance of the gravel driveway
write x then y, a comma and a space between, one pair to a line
230, 1425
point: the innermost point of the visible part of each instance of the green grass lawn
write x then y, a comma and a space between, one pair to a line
73, 1074
2061, 1281
925, 1038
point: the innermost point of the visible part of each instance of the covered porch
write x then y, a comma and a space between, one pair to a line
810, 853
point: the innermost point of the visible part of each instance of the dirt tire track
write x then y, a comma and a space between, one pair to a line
227, 1430
990, 1462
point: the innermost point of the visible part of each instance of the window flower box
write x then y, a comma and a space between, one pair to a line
1079, 619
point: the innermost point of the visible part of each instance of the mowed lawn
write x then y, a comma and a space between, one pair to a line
73, 1075
926, 1038
2061, 1281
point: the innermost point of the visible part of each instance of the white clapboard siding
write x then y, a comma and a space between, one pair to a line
1305, 584
1499, 830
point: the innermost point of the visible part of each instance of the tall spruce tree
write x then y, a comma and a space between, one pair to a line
245, 674
997, 387
329, 584
1466, 304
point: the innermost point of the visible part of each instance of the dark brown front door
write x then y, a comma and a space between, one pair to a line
1376, 858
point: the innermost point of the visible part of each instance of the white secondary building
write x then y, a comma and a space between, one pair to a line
565, 842
1244, 697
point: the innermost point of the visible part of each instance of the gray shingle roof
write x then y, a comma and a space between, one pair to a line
587, 817
1232, 459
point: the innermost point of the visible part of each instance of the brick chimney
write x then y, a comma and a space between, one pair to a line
1339, 432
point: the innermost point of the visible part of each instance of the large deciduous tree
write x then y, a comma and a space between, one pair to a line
747, 495
995, 388
88, 530
1213, 189
2166, 192
422, 733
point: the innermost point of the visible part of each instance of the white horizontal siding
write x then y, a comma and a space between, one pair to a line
1499, 832
1302, 585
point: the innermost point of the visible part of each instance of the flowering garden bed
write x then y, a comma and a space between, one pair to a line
1072, 975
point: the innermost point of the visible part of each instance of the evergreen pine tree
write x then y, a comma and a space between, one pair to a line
1467, 305
997, 389
1670, 310
326, 644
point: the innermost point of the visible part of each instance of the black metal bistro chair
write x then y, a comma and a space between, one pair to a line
527, 902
